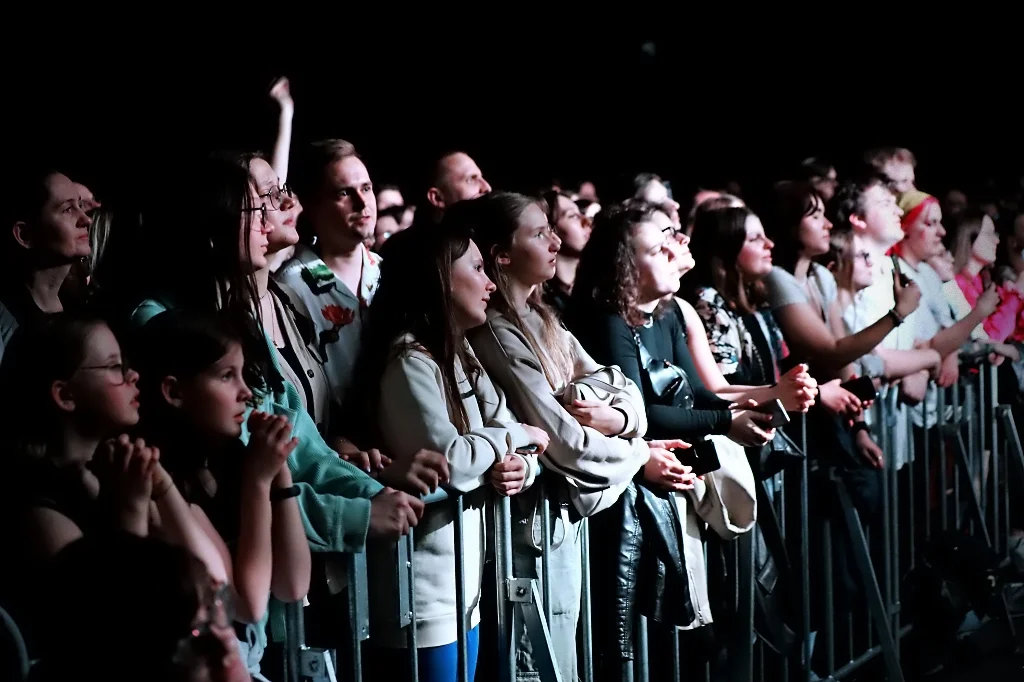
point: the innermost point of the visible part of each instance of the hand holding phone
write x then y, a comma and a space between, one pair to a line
862, 387
897, 272
702, 458
777, 412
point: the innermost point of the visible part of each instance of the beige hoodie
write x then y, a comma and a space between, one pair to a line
413, 415
597, 467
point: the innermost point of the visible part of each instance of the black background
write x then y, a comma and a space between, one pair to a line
129, 113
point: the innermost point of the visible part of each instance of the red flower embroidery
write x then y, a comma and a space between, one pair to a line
337, 315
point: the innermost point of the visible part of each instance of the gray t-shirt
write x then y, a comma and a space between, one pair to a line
784, 289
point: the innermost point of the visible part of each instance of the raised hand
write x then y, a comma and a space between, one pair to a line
907, 297
281, 93
270, 443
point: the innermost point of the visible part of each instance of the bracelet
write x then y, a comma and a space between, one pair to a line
858, 427
278, 494
896, 318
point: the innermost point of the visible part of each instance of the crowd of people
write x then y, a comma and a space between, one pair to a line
206, 410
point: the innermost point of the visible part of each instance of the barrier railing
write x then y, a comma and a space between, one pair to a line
956, 478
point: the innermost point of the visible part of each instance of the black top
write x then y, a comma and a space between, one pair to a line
25, 579
223, 504
609, 340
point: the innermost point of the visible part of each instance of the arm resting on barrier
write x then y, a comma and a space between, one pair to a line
582, 454
414, 414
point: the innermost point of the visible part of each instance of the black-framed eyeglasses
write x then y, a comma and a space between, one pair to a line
119, 369
261, 209
276, 196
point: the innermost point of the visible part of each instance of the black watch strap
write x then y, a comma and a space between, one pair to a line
278, 494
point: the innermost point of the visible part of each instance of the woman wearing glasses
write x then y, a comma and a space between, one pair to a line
225, 247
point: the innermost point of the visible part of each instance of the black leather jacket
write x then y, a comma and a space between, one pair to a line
636, 559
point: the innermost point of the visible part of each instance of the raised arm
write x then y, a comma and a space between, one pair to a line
280, 92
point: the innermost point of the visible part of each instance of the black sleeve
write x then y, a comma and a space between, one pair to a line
702, 397
609, 340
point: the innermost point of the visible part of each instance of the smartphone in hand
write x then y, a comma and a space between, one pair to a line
702, 457
897, 272
862, 387
777, 412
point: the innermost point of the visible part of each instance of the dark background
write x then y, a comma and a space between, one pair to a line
128, 116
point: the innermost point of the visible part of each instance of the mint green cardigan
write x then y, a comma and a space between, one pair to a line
334, 496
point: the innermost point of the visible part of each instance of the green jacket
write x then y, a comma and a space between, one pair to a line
334, 495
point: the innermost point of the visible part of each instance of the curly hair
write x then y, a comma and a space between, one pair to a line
849, 199
607, 279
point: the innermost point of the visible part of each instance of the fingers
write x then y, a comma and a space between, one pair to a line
359, 459
669, 444
422, 481
374, 457
257, 420
588, 404
415, 506
760, 418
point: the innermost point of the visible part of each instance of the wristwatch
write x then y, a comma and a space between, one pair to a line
278, 494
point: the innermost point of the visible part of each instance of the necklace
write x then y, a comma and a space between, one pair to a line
269, 315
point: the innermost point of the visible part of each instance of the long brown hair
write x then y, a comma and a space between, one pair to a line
493, 220
718, 238
607, 279
415, 299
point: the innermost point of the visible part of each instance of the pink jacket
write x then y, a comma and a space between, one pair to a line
1008, 319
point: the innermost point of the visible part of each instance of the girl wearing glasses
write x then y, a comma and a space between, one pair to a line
67, 391
224, 246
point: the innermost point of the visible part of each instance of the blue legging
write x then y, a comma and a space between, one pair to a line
437, 663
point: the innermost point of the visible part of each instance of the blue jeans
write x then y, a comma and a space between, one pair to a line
436, 664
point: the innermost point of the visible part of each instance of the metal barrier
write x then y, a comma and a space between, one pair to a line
956, 479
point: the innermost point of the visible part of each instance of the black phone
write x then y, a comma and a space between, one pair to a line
777, 412
897, 272
527, 450
862, 387
702, 457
